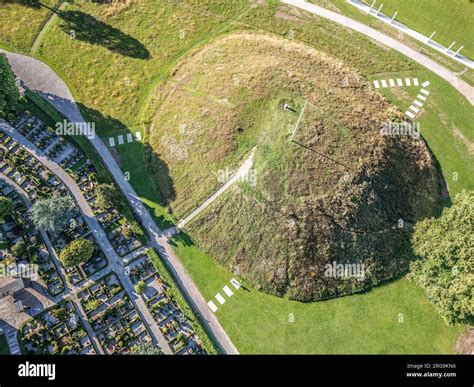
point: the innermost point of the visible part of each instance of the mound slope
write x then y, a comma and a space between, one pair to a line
343, 194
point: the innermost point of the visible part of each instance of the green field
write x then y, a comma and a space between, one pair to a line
365, 323
118, 91
21, 24
453, 20
4, 350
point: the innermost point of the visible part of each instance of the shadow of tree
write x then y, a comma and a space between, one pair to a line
26, 3
88, 29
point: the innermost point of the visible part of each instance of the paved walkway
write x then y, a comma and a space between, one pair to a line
69, 289
414, 34
463, 87
241, 173
99, 234
39, 77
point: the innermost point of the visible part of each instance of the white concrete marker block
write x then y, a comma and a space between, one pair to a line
129, 138
376, 84
425, 92
212, 306
227, 291
384, 83
407, 81
425, 84
392, 82
399, 82
120, 139
235, 283
220, 298
418, 103
138, 136
415, 81
111, 141
415, 109
410, 114
422, 97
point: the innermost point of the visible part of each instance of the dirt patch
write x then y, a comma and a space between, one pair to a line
469, 144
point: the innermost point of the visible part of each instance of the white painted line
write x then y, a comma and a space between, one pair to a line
138, 136
120, 139
212, 306
416, 110
418, 103
235, 283
111, 141
384, 83
415, 81
422, 97
227, 291
410, 114
407, 81
392, 82
129, 138
220, 298
376, 84
425, 84
426, 92
399, 82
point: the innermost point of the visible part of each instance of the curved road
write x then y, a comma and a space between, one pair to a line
38, 76
463, 87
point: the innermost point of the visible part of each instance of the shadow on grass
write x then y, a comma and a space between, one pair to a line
26, 3
84, 27
162, 190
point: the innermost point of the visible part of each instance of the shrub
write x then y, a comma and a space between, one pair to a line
77, 252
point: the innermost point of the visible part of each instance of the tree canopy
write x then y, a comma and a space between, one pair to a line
77, 252
9, 94
107, 196
53, 214
6, 207
445, 246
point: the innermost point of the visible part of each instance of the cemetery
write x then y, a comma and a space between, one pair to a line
57, 330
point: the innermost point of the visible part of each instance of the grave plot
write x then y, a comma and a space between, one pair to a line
58, 330
122, 235
56, 147
27, 171
113, 316
155, 292
98, 261
21, 243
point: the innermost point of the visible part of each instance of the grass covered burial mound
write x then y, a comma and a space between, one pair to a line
334, 197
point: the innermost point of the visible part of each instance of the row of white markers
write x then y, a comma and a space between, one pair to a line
228, 291
121, 139
420, 99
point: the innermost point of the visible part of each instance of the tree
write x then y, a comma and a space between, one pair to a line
19, 249
9, 95
445, 247
6, 207
140, 287
107, 196
53, 214
77, 252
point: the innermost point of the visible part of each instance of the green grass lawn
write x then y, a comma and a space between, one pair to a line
21, 24
393, 318
4, 349
453, 20
114, 89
